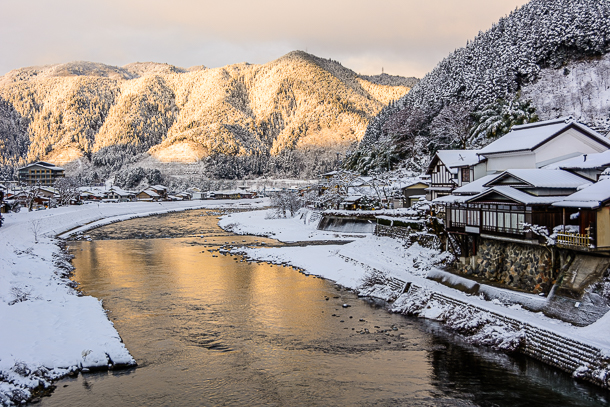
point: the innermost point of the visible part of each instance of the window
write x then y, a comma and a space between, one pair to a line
465, 174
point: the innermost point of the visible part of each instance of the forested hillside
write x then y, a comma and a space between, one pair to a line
542, 61
291, 115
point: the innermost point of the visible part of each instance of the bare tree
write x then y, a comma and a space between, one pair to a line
31, 193
287, 203
35, 227
451, 127
67, 189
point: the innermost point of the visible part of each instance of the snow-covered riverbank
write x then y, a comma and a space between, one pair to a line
368, 264
46, 329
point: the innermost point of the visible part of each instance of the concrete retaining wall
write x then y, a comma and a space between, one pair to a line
575, 357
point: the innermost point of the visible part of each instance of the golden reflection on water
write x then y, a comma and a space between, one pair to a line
209, 330
251, 331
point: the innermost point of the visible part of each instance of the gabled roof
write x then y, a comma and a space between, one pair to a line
539, 178
591, 197
529, 137
584, 162
43, 164
351, 199
454, 159
150, 193
516, 195
474, 187
158, 187
450, 199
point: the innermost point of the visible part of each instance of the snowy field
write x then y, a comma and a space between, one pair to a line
359, 264
46, 329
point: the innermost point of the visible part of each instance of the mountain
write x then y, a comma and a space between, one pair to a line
106, 117
546, 59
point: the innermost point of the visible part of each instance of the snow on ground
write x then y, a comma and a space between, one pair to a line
46, 328
352, 265
301, 228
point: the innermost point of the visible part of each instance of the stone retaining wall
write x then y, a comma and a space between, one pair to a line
522, 266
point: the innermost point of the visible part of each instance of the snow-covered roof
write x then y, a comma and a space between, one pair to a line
351, 199
542, 178
517, 195
584, 162
44, 165
229, 192
450, 199
590, 197
453, 159
159, 187
531, 136
474, 187
151, 193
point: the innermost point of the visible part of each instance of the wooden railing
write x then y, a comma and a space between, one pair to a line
574, 239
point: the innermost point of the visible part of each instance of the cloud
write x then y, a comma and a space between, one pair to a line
406, 37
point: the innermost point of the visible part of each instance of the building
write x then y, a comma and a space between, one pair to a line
586, 216
413, 192
540, 144
590, 166
41, 173
516, 205
148, 195
450, 169
160, 190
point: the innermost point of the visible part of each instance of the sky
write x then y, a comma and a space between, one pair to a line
402, 37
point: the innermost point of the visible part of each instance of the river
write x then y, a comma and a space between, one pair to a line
211, 329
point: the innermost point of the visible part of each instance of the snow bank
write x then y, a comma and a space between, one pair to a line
300, 228
46, 329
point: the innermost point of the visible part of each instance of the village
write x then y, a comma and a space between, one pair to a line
508, 245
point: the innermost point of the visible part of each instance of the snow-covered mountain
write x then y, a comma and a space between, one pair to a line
548, 55
105, 116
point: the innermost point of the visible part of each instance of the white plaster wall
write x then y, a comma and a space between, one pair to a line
570, 142
506, 162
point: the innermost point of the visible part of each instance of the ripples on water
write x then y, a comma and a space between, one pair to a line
213, 331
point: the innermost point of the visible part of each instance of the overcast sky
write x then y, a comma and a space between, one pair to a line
405, 37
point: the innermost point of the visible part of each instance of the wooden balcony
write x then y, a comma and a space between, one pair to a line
575, 240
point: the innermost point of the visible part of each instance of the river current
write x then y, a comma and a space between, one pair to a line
211, 329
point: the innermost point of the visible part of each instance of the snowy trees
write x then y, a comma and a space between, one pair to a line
496, 65
132, 177
495, 120
115, 117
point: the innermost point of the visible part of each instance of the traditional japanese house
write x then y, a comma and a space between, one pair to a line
537, 145
590, 166
586, 218
351, 202
413, 192
511, 202
160, 190
148, 195
450, 169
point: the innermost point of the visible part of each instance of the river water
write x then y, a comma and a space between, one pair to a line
211, 329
